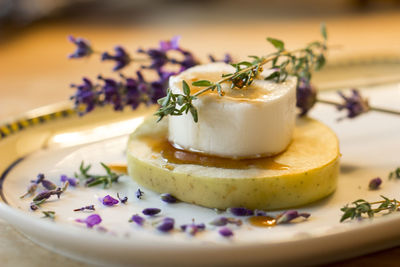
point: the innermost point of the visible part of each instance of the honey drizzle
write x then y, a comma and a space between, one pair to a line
262, 221
177, 156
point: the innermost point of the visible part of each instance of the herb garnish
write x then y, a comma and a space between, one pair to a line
90, 207
395, 173
44, 195
93, 180
299, 63
49, 214
361, 208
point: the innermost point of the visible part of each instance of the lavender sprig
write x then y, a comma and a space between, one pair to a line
362, 208
92, 180
90, 207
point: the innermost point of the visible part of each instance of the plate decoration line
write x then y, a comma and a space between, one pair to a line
4, 175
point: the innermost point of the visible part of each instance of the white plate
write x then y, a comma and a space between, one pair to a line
370, 146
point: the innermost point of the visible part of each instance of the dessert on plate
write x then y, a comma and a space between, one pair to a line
245, 148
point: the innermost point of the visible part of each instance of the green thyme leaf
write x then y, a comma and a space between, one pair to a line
186, 88
202, 83
278, 44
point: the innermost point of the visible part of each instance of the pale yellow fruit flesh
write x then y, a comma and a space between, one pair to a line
313, 167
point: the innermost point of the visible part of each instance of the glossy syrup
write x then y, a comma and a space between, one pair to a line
178, 156
262, 221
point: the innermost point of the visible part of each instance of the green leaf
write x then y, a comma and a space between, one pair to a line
278, 44
202, 83
274, 75
219, 89
193, 111
320, 62
323, 31
186, 88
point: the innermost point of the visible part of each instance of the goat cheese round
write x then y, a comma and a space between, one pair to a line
251, 122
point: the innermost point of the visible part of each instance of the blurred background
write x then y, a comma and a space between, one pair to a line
35, 71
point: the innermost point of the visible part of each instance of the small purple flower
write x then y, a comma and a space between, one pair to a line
355, 104
83, 48
172, 44
72, 181
139, 193
91, 220
39, 179
225, 232
151, 211
90, 207
375, 183
121, 58
139, 220
48, 185
290, 215
166, 224
306, 95
111, 90
109, 201
47, 194
168, 198
86, 95
240, 211
123, 200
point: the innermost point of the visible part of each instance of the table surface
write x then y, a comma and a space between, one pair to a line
34, 71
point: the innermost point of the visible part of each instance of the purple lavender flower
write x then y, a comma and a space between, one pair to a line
71, 180
306, 95
172, 44
188, 61
121, 58
290, 215
227, 58
166, 225
86, 94
151, 211
355, 104
91, 220
48, 185
47, 194
39, 179
375, 183
83, 48
111, 91
168, 198
139, 220
240, 211
139, 193
123, 200
90, 207
109, 201
225, 232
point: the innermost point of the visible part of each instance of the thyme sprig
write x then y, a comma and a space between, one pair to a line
299, 63
395, 173
93, 180
362, 208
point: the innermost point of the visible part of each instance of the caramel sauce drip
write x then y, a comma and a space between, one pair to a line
177, 156
262, 221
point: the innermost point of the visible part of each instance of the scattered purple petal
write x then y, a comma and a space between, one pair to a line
166, 224
355, 104
48, 185
306, 95
290, 215
83, 48
139, 220
168, 198
139, 193
151, 211
375, 183
240, 211
109, 201
39, 179
123, 200
91, 220
225, 232
90, 207
72, 180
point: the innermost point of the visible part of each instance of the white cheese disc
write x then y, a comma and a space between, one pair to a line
244, 123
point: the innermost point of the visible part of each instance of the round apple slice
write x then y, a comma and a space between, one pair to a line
305, 172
